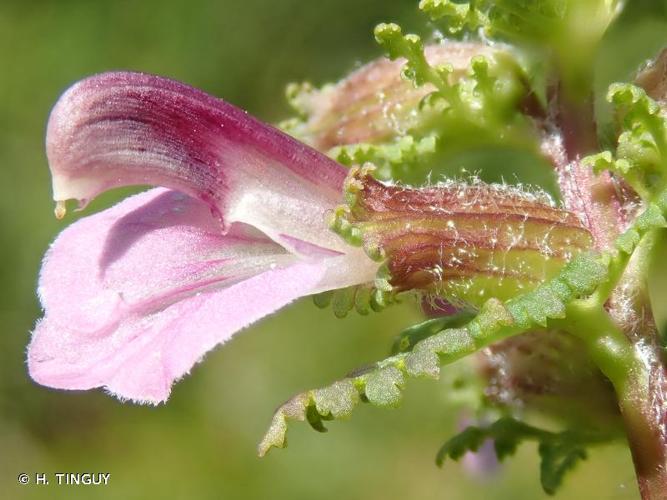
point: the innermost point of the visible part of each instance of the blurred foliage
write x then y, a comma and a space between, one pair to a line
202, 443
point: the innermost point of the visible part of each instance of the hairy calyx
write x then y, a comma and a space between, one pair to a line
463, 241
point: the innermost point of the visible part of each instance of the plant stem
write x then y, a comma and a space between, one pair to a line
623, 340
643, 407
643, 399
640, 381
594, 197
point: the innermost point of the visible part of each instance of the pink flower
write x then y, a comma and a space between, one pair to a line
135, 295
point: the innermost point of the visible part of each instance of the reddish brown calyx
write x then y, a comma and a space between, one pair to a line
463, 241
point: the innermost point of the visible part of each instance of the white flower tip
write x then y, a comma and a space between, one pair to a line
61, 209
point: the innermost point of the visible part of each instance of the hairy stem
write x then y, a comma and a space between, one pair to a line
595, 197
640, 381
644, 411
643, 400
622, 340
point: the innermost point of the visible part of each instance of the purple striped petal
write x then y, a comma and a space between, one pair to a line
118, 129
137, 294
134, 296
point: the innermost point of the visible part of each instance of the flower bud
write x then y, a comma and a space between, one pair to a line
653, 78
551, 373
375, 103
465, 242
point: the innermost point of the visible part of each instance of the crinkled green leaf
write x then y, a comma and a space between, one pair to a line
559, 451
343, 301
361, 298
564, 32
383, 387
382, 383
641, 153
525, 20
411, 47
557, 460
480, 107
398, 158
470, 439
456, 16
488, 97
336, 400
407, 339
293, 409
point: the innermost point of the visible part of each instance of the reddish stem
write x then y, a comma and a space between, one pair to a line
596, 198
644, 411
600, 200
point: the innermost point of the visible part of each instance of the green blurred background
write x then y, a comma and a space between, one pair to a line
202, 443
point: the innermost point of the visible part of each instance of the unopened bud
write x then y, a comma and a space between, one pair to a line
375, 103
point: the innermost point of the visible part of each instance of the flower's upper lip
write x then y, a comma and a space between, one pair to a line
118, 129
